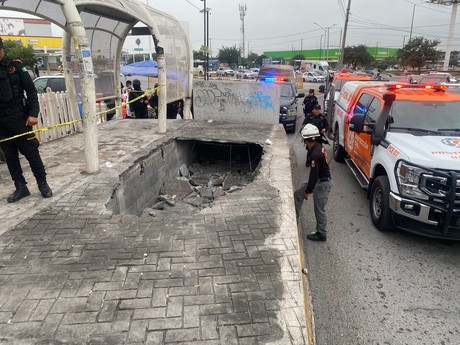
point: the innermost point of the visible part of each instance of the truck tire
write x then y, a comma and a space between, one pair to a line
379, 205
338, 152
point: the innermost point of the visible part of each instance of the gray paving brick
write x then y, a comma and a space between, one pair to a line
69, 305
77, 318
135, 303
107, 312
5, 316
175, 306
209, 327
256, 329
166, 323
95, 300
159, 297
182, 335
122, 321
228, 335
107, 286
195, 300
191, 316
137, 331
149, 313
51, 324
155, 338
25, 310
235, 318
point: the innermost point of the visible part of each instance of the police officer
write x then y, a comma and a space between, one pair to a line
319, 183
138, 108
317, 119
18, 114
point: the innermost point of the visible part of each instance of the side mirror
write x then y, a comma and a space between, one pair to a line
356, 123
300, 95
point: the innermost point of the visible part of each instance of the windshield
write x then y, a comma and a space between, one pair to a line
287, 90
430, 116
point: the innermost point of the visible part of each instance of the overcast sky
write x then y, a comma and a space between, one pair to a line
289, 24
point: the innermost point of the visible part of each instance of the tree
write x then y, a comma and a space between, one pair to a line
260, 59
229, 55
298, 57
418, 51
357, 56
198, 55
16, 51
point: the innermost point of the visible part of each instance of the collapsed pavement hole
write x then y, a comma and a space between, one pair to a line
185, 176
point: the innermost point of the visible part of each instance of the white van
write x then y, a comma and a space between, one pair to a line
314, 65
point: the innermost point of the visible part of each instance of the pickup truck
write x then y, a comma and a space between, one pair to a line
224, 71
402, 142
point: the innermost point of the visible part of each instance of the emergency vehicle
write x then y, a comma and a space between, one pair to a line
334, 89
402, 143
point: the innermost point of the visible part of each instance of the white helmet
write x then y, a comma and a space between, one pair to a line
309, 131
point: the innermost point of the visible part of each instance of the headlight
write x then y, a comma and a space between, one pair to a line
292, 111
408, 177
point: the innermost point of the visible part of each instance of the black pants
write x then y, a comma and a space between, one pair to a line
13, 123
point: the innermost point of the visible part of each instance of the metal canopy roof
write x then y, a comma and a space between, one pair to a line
108, 22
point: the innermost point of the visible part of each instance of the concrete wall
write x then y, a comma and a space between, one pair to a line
140, 185
236, 101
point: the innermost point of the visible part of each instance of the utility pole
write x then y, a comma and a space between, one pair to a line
412, 23
453, 17
345, 28
205, 39
243, 9
301, 46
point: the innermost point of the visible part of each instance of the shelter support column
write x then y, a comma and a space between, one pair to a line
88, 93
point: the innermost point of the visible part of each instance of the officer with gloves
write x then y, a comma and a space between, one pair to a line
18, 113
319, 183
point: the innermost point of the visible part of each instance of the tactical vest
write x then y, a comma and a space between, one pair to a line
6, 91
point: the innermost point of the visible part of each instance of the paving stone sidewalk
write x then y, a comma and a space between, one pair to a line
71, 272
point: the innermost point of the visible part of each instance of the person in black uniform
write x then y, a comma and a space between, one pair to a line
319, 183
316, 118
17, 116
309, 102
138, 108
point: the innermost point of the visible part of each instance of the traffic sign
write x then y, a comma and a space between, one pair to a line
138, 49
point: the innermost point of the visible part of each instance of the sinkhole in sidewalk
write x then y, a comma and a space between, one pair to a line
184, 176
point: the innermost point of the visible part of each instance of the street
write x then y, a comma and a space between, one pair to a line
370, 287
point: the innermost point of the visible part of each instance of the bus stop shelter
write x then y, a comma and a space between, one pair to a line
94, 33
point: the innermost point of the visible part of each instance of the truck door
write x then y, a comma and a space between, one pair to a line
358, 145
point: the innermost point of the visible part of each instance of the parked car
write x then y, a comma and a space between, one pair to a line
314, 77
255, 70
436, 78
403, 79
224, 71
246, 74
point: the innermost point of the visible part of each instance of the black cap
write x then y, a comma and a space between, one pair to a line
317, 106
311, 91
1, 43
136, 82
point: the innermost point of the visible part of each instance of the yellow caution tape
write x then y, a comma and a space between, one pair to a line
147, 92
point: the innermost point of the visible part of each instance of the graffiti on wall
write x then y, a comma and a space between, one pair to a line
220, 97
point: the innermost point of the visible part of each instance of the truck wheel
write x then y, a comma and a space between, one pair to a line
314, 80
338, 152
379, 205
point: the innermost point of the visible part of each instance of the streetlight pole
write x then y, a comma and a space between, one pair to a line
322, 39
326, 38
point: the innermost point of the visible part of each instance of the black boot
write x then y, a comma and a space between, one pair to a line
45, 189
20, 192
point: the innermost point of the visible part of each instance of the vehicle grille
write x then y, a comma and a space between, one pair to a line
443, 188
